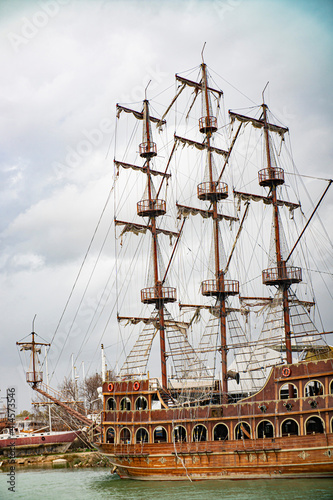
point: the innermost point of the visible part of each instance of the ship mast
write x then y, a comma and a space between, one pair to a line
153, 207
282, 276
214, 191
35, 376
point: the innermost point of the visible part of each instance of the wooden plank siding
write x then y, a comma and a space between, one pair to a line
277, 456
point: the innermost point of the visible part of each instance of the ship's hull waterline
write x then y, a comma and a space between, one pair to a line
237, 464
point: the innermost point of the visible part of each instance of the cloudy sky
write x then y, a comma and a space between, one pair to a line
64, 65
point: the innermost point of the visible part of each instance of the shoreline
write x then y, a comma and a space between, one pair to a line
70, 459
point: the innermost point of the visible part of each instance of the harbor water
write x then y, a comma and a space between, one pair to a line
99, 484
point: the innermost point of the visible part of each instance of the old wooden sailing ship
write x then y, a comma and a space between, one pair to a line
245, 383
268, 412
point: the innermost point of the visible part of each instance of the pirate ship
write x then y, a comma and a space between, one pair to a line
227, 402
243, 379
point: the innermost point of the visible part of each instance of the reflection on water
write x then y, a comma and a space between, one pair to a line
99, 484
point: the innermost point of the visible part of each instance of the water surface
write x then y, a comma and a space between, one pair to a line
99, 484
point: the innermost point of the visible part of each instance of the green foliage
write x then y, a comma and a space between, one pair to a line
24, 414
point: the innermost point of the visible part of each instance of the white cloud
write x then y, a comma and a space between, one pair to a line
59, 227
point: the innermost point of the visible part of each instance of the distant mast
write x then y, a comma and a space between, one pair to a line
34, 375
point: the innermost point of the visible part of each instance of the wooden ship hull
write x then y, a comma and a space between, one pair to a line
266, 435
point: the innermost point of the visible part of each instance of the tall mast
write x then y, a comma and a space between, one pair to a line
152, 208
214, 191
282, 276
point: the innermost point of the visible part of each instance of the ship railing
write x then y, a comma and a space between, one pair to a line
163, 293
151, 207
269, 176
154, 384
208, 124
60, 396
282, 273
34, 377
218, 190
147, 149
213, 287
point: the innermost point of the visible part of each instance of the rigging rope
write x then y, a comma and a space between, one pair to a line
76, 281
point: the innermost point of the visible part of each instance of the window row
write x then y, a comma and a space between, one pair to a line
141, 403
242, 430
312, 388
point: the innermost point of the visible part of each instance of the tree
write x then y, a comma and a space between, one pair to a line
24, 414
85, 392
70, 391
91, 395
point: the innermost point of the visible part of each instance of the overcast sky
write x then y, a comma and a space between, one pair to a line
64, 65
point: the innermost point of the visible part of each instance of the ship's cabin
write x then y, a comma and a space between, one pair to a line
293, 402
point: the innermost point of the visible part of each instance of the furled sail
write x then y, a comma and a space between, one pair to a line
265, 199
258, 123
186, 211
200, 145
141, 169
138, 115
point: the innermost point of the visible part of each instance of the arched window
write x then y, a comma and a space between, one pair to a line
141, 403
289, 427
221, 432
314, 425
313, 388
141, 435
331, 387
199, 433
265, 429
110, 435
111, 404
160, 435
284, 391
243, 431
179, 434
125, 436
125, 404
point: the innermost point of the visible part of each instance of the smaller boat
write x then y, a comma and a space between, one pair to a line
19, 443
16, 442
23, 438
